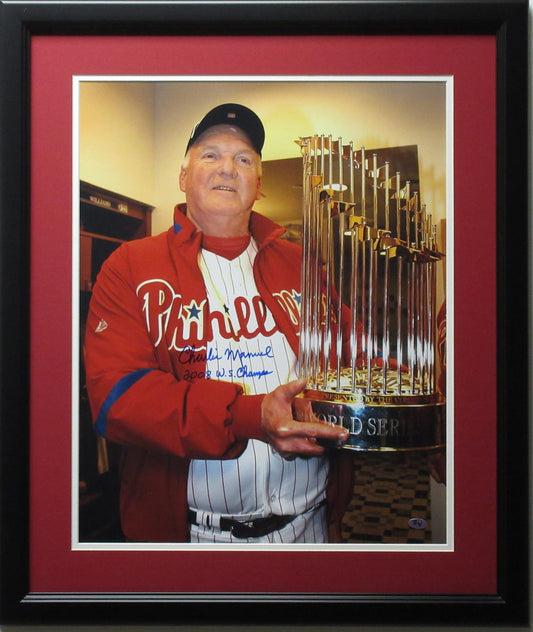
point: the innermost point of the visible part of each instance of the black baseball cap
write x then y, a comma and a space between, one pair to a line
232, 114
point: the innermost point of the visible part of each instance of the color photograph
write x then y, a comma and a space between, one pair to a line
386, 263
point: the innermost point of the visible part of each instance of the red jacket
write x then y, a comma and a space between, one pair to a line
145, 374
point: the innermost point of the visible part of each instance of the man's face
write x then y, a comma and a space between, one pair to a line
221, 180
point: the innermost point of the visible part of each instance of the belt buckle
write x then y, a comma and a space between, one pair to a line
243, 530
259, 527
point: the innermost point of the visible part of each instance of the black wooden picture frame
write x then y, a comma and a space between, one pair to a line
506, 20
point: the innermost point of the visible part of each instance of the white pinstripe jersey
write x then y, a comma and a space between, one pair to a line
259, 482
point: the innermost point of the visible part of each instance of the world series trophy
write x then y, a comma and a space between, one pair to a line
368, 306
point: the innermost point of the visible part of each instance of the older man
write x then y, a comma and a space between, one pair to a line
191, 345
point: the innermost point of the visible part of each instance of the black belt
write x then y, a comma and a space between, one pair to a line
251, 528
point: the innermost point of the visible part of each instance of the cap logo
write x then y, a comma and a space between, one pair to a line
231, 115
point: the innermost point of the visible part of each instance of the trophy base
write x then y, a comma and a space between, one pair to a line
382, 422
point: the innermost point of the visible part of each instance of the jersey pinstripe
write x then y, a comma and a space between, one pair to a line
257, 356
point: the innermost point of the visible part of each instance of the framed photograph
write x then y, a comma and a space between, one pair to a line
98, 101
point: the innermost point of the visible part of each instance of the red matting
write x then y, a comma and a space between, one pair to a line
472, 567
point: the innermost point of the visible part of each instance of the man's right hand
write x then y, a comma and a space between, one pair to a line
289, 437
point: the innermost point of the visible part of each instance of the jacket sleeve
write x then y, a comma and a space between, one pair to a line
136, 400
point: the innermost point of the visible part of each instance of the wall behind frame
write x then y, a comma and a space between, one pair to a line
133, 134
